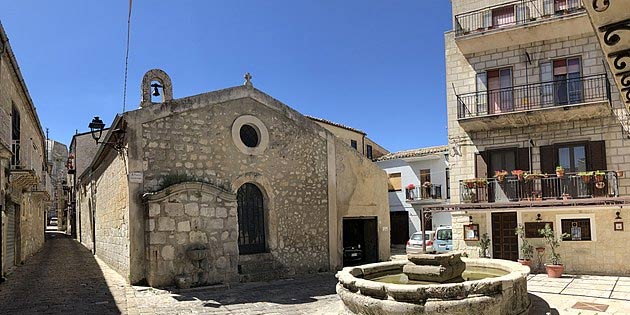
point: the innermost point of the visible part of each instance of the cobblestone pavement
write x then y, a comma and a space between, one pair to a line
64, 278
310, 294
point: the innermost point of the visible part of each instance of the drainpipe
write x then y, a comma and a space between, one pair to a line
93, 204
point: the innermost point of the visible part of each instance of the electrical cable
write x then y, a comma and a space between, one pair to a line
127, 57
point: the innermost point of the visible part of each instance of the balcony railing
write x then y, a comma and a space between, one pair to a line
534, 96
540, 187
513, 14
424, 192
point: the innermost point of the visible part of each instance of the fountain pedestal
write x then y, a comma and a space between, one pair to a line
435, 267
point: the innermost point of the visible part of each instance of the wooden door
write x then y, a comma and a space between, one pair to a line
504, 240
399, 230
251, 220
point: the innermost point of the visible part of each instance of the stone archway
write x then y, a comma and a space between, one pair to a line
163, 79
251, 220
270, 215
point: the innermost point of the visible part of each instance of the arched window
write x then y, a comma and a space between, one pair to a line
251, 220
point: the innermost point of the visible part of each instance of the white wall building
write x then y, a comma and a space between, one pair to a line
426, 170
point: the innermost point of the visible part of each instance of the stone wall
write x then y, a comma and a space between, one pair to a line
104, 200
361, 191
191, 216
31, 225
291, 171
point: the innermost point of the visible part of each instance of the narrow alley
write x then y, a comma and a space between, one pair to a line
63, 277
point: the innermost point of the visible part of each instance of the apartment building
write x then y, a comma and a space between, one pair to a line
529, 92
25, 185
416, 177
356, 138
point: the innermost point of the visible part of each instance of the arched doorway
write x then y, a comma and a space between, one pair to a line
251, 219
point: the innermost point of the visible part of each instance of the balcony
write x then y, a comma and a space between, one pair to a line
519, 22
540, 189
427, 193
22, 169
43, 190
538, 103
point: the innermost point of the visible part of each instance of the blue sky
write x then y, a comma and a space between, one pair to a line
374, 65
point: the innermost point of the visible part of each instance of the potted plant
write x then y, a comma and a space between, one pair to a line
559, 171
481, 182
518, 174
527, 249
586, 176
599, 176
470, 183
484, 244
500, 175
554, 268
533, 176
410, 191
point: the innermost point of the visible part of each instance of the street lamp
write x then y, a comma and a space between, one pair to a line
118, 134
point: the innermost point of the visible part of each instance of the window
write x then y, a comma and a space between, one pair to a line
353, 143
501, 160
394, 182
448, 184
498, 83
444, 235
572, 157
368, 151
15, 136
503, 16
567, 83
425, 176
249, 136
577, 229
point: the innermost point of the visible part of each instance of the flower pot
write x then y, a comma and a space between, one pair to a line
586, 179
619, 173
560, 173
554, 271
526, 262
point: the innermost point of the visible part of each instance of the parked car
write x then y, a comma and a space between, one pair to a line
53, 221
443, 239
414, 244
352, 254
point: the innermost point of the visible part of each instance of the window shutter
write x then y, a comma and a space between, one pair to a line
522, 159
548, 158
596, 156
482, 88
481, 166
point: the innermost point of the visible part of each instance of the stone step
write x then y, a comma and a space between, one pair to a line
257, 266
264, 276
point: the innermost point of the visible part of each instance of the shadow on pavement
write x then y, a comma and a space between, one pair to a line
540, 306
62, 278
300, 290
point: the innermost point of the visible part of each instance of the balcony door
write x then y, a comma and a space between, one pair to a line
567, 83
500, 98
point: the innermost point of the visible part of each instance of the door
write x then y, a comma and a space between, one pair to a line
500, 91
10, 247
399, 230
566, 76
360, 240
251, 220
504, 240
501, 160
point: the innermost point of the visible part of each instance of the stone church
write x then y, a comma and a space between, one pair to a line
226, 186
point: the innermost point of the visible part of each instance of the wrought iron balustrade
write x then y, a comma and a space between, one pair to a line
540, 95
424, 192
538, 188
512, 14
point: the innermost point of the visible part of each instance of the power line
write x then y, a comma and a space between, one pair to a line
127, 57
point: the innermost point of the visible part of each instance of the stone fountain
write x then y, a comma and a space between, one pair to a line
436, 286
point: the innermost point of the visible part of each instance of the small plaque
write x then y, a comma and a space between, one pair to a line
471, 232
619, 226
135, 177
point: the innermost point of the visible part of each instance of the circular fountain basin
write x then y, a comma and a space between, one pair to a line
490, 286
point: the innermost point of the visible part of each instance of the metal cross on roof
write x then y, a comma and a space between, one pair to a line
248, 79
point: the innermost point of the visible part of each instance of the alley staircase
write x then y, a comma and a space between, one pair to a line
260, 267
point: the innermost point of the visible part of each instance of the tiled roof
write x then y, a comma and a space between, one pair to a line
414, 153
325, 121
